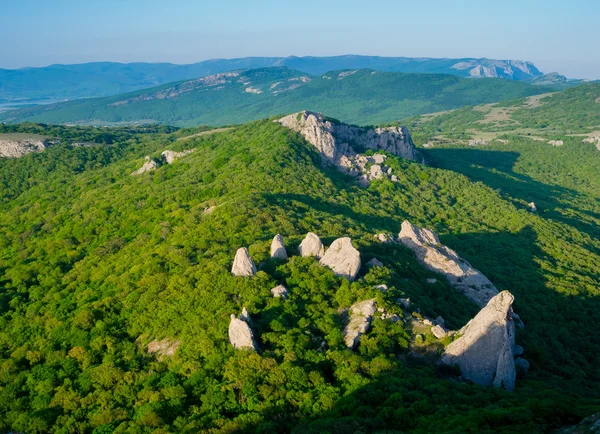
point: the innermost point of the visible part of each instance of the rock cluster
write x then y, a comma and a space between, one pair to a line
171, 156
14, 147
164, 348
484, 351
279, 291
437, 257
593, 140
277, 248
240, 332
338, 143
532, 206
243, 265
311, 245
360, 316
342, 258
556, 142
149, 164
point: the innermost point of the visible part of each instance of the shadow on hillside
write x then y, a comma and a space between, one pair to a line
418, 395
495, 169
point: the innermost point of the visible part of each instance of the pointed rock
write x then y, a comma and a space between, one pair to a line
359, 322
484, 351
438, 331
240, 333
311, 245
437, 257
243, 265
149, 164
342, 258
279, 291
277, 248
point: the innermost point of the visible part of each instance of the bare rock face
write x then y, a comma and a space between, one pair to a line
342, 258
277, 248
243, 265
437, 257
360, 316
438, 331
148, 165
164, 348
384, 238
374, 263
333, 139
484, 351
17, 145
311, 245
240, 333
556, 142
532, 207
279, 291
589, 425
171, 156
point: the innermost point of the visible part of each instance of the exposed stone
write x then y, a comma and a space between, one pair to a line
240, 332
243, 265
438, 331
437, 257
342, 258
277, 248
532, 206
477, 142
394, 178
171, 156
521, 364
311, 245
427, 322
359, 322
384, 238
374, 263
439, 321
17, 145
149, 164
382, 287
378, 158
375, 172
279, 291
164, 348
404, 302
556, 142
209, 210
484, 351
589, 425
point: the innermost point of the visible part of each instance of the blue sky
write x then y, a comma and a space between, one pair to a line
556, 35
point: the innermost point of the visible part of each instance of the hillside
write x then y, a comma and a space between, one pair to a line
98, 79
355, 96
100, 268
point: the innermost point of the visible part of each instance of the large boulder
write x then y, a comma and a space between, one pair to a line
437, 257
240, 332
243, 265
311, 245
149, 165
17, 145
277, 248
171, 156
279, 291
360, 316
484, 350
342, 258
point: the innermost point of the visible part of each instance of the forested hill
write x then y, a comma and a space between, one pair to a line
355, 96
96, 265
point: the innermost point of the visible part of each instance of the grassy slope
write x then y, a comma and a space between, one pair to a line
365, 97
92, 261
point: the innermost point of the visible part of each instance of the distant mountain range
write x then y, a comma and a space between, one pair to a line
67, 82
352, 95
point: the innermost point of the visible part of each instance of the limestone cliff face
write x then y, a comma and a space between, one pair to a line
17, 147
485, 351
437, 257
336, 141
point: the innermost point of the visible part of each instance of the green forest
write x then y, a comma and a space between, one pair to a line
95, 264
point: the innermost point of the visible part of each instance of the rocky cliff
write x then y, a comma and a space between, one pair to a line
14, 146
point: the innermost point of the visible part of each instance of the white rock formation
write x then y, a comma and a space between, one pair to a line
17, 145
311, 245
342, 258
556, 142
149, 164
279, 291
243, 265
164, 348
438, 331
277, 248
484, 350
437, 257
332, 139
594, 140
240, 332
532, 206
360, 315
171, 156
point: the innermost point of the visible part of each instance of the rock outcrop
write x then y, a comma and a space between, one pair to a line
164, 348
240, 332
374, 263
171, 156
149, 164
437, 257
438, 331
311, 245
359, 321
17, 145
279, 291
339, 143
484, 350
277, 248
556, 142
532, 207
595, 140
342, 258
243, 265
589, 425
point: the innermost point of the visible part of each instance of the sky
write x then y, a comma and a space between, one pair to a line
559, 36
